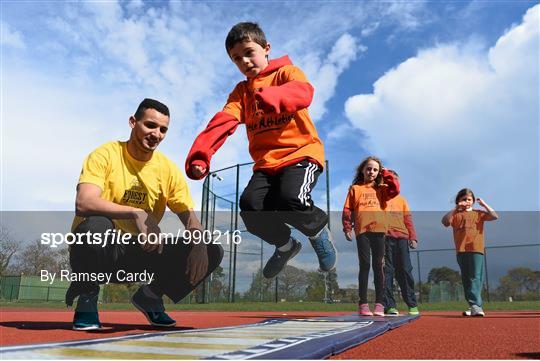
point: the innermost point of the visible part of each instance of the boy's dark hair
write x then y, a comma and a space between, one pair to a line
245, 32
151, 104
465, 192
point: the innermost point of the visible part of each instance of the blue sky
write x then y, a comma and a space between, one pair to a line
446, 93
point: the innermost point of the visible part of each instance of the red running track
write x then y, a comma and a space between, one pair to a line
448, 335
436, 335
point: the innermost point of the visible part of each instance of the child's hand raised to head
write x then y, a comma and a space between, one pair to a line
198, 171
348, 236
481, 202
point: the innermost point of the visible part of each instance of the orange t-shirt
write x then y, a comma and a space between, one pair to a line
468, 230
367, 214
397, 209
273, 106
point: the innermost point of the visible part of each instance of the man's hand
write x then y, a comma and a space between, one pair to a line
413, 243
198, 171
349, 236
197, 263
146, 226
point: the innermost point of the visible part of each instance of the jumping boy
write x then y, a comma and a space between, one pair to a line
283, 142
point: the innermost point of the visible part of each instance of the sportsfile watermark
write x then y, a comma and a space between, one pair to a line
115, 236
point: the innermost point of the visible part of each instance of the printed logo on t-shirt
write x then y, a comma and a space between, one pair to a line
270, 122
368, 200
136, 195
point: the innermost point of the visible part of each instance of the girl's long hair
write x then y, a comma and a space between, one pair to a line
359, 176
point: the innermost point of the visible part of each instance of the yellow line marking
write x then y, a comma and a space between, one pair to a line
117, 355
205, 346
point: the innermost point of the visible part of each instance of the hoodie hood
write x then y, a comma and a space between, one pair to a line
275, 64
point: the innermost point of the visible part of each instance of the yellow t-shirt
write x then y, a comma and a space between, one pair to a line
150, 185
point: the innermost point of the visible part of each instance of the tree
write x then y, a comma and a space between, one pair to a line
218, 290
316, 285
440, 274
8, 248
37, 256
520, 283
261, 289
292, 284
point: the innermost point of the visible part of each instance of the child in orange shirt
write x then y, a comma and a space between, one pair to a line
400, 235
283, 142
468, 227
364, 208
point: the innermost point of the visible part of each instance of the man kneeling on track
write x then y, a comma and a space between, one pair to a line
124, 188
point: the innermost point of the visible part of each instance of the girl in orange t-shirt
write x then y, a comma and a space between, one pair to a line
364, 208
468, 226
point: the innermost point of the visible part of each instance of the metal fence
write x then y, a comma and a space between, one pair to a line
220, 211
217, 289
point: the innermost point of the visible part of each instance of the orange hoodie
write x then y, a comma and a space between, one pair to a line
273, 106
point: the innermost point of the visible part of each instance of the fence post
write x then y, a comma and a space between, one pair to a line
328, 192
48, 293
486, 270
276, 290
261, 289
419, 277
230, 255
235, 227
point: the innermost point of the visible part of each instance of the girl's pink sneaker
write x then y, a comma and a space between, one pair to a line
379, 310
363, 310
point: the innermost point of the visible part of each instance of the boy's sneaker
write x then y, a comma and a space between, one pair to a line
392, 311
279, 259
363, 310
152, 308
413, 311
467, 312
477, 311
325, 250
379, 310
86, 316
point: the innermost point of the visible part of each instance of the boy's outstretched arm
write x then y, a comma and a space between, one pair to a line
293, 94
286, 98
208, 142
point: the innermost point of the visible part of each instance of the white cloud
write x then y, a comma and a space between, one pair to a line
324, 73
456, 115
86, 67
10, 37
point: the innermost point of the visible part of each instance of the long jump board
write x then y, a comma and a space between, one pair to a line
316, 338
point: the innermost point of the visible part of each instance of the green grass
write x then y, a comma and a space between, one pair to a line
287, 306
